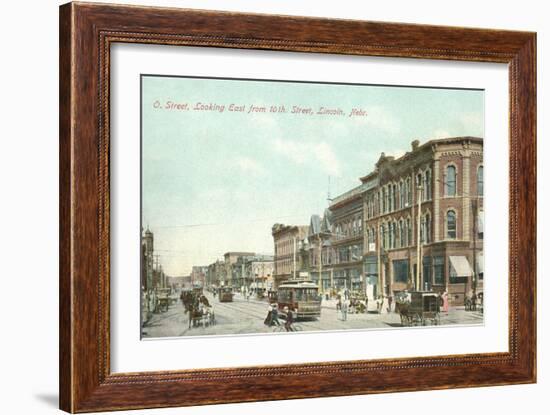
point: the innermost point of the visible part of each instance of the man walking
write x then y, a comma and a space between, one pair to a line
344, 309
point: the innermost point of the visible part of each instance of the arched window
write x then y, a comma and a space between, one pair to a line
451, 224
401, 195
409, 232
401, 234
423, 229
428, 234
480, 181
451, 181
383, 196
394, 202
408, 191
427, 185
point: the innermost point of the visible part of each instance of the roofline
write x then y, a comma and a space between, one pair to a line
428, 143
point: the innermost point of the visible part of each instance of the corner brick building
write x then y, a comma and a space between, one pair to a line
447, 174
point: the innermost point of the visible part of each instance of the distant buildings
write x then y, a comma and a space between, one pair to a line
241, 269
233, 271
256, 271
152, 274
215, 275
198, 275
288, 261
317, 247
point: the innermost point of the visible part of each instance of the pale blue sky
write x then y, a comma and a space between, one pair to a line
214, 182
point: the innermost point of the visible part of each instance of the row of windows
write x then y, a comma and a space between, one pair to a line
284, 247
398, 234
450, 180
349, 228
395, 196
432, 267
285, 266
338, 255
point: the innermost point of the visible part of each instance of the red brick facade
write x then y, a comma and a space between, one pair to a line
447, 170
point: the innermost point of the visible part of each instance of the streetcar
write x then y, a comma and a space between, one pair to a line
300, 295
225, 294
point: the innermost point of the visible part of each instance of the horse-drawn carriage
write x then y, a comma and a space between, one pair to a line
197, 306
164, 300
418, 308
474, 302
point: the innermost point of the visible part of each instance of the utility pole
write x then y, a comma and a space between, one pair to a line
381, 278
419, 246
474, 256
294, 259
156, 268
320, 262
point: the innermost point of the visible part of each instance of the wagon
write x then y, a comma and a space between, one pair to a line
202, 317
418, 308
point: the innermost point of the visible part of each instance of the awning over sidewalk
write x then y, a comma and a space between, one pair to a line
460, 266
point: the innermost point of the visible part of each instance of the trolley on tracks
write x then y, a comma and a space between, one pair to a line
301, 296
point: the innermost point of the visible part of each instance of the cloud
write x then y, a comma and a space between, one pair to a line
440, 133
380, 118
320, 154
472, 122
249, 166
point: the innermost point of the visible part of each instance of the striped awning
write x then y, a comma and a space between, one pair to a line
460, 266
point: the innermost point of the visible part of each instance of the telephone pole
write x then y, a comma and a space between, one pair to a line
419, 243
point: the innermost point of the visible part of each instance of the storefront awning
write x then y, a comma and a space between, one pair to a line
460, 266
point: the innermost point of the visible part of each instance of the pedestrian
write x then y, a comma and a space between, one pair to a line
390, 300
191, 313
379, 304
385, 304
445, 299
269, 319
344, 310
289, 319
275, 315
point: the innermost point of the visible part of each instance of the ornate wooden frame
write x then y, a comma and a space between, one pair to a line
86, 33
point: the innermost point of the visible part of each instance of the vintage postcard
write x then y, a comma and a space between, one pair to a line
273, 206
